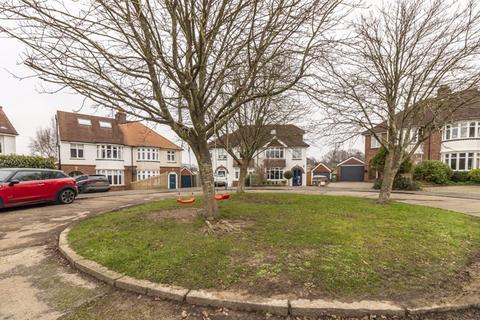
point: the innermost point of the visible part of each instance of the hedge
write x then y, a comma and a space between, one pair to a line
474, 175
433, 171
16, 161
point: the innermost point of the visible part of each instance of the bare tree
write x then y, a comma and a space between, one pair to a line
187, 64
337, 155
45, 141
249, 131
385, 80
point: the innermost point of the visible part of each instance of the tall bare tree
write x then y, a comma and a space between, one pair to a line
389, 73
249, 131
187, 64
45, 141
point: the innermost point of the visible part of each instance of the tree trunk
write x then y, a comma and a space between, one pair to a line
389, 172
206, 174
243, 175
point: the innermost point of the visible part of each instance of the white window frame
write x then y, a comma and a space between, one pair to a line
105, 124
147, 174
374, 143
114, 176
275, 153
107, 152
221, 154
297, 154
77, 147
171, 156
148, 154
469, 159
275, 174
461, 130
84, 122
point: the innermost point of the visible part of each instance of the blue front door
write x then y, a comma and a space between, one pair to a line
172, 181
297, 177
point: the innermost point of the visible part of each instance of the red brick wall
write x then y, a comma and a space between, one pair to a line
84, 169
130, 175
431, 147
370, 174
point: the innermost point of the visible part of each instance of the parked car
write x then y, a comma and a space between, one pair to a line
91, 183
28, 186
220, 180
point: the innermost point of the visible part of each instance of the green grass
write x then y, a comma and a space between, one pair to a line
307, 245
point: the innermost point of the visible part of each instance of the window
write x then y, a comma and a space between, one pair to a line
28, 176
447, 132
109, 152
462, 161
471, 131
147, 174
105, 124
455, 131
76, 151
274, 174
462, 130
171, 156
296, 154
148, 154
47, 175
115, 177
237, 173
275, 153
374, 143
85, 122
221, 173
222, 154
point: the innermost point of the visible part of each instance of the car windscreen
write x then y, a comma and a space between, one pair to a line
5, 174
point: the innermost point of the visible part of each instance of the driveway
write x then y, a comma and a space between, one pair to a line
37, 283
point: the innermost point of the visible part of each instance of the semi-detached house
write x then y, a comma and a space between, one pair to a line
123, 151
8, 135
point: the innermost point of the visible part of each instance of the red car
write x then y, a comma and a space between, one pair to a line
28, 186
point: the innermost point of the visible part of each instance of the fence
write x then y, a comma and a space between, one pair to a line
158, 182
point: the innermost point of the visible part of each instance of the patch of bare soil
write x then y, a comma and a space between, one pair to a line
225, 226
183, 215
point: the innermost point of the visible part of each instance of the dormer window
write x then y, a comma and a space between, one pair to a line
105, 124
85, 122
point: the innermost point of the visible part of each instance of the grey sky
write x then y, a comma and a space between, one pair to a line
29, 109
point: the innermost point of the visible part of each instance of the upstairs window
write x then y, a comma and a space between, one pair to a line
148, 154
171, 156
105, 124
275, 153
109, 152
296, 154
374, 143
85, 122
76, 151
221, 154
461, 130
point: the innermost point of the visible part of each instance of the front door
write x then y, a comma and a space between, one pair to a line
172, 181
297, 177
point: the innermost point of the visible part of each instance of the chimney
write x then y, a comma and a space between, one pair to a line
121, 117
444, 91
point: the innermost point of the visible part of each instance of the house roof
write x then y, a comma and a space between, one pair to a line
6, 126
289, 134
352, 161
137, 134
467, 104
318, 168
129, 133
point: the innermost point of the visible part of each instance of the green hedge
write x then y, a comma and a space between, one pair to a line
474, 175
15, 161
433, 171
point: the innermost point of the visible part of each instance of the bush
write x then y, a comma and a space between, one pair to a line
400, 183
288, 175
378, 162
460, 176
474, 175
15, 161
433, 171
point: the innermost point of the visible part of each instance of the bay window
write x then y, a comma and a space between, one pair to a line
461, 130
275, 153
275, 174
109, 152
115, 177
462, 161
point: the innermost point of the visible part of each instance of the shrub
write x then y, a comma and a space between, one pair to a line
400, 183
474, 175
288, 175
378, 162
460, 176
15, 161
432, 171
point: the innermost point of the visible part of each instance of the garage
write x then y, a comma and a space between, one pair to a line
351, 169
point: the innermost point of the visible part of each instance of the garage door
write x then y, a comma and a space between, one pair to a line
352, 173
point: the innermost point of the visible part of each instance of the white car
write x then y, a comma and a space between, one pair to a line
220, 180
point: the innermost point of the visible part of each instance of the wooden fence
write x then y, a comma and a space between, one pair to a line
158, 182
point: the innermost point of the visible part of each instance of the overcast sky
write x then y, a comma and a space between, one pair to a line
28, 108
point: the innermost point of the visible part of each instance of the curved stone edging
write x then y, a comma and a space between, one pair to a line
236, 301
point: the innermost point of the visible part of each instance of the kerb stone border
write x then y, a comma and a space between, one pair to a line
237, 301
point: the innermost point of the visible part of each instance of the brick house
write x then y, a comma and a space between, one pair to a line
457, 142
284, 150
8, 135
123, 151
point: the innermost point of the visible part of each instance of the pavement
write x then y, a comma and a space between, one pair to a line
37, 283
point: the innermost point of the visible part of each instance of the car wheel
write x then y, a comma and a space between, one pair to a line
66, 196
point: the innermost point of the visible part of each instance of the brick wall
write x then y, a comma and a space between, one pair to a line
130, 175
432, 146
84, 169
370, 174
